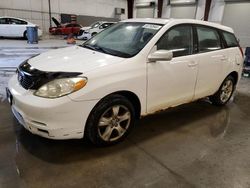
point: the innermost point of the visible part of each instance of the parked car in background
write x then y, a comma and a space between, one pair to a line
15, 27
246, 68
97, 27
95, 24
134, 68
64, 29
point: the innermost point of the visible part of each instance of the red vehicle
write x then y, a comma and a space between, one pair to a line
64, 29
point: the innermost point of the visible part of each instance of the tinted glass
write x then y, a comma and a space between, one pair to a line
208, 39
124, 39
18, 22
179, 40
230, 39
94, 25
3, 21
103, 26
75, 25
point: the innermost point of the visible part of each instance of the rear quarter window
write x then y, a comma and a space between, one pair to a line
208, 39
230, 39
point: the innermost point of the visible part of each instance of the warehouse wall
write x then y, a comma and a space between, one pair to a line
145, 1
216, 11
36, 11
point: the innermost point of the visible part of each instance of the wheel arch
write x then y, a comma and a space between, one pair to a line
235, 75
131, 96
25, 34
134, 99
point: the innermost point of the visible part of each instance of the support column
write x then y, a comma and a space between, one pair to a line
50, 24
159, 8
207, 9
130, 8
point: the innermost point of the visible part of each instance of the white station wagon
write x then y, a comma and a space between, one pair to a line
134, 68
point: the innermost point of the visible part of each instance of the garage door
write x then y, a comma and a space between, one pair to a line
183, 11
144, 12
236, 15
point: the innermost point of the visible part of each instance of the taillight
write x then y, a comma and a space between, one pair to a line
241, 51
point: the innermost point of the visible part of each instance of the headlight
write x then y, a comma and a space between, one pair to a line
61, 87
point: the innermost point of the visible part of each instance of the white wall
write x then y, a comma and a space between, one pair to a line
166, 10
36, 11
216, 11
200, 10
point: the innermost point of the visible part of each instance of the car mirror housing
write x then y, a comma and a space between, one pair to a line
160, 55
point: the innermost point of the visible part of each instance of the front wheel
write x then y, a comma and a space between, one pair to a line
225, 92
110, 121
25, 35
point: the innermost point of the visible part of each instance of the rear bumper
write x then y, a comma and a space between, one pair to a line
84, 36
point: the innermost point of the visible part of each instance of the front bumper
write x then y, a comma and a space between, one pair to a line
84, 36
59, 118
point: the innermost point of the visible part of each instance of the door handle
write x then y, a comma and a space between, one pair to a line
192, 64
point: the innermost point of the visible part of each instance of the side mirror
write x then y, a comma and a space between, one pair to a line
160, 55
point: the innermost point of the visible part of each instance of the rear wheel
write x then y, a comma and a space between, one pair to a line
25, 35
223, 95
110, 121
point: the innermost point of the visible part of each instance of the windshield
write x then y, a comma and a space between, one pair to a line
95, 24
124, 39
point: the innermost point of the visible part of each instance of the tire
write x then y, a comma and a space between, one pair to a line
25, 35
110, 121
93, 34
225, 92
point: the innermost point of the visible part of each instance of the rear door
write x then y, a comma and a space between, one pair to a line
211, 57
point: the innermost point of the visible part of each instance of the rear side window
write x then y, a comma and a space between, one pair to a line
178, 39
3, 21
208, 39
230, 39
18, 22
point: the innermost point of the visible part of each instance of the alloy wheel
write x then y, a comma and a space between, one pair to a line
114, 123
226, 91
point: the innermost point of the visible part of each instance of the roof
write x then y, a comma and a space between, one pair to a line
179, 21
148, 20
13, 18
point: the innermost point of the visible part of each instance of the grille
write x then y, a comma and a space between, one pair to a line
24, 80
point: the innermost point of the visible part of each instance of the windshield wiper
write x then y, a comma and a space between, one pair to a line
89, 47
96, 48
106, 51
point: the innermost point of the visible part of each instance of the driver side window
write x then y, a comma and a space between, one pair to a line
179, 40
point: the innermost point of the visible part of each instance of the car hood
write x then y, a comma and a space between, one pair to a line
84, 28
73, 59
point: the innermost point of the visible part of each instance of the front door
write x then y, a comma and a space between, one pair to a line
171, 83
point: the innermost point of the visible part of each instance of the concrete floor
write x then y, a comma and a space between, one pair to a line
194, 145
